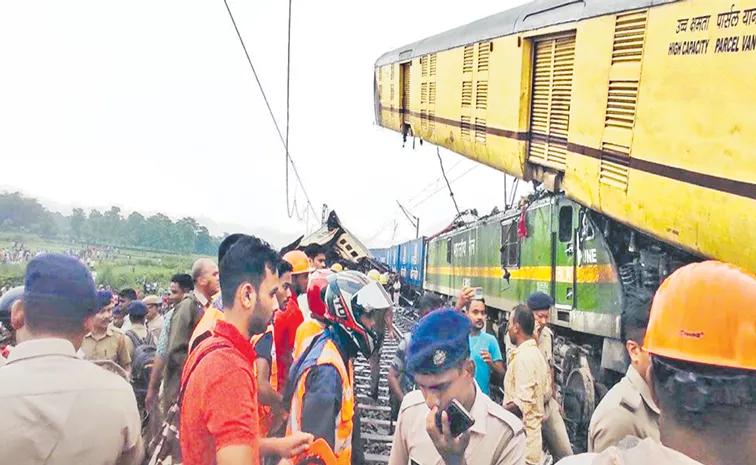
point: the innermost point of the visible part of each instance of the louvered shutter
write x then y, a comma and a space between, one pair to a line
622, 99
551, 101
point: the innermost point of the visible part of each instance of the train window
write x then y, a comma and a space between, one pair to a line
448, 250
565, 224
510, 245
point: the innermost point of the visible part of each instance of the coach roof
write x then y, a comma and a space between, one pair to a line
534, 15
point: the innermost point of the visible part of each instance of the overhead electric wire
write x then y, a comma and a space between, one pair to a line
435, 182
273, 117
417, 194
288, 107
441, 189
451, 192
392, 218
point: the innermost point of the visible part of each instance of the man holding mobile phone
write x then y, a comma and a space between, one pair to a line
474, 429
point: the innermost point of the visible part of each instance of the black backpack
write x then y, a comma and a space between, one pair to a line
141, 362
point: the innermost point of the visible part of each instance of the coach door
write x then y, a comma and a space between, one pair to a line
405, 77
563, 257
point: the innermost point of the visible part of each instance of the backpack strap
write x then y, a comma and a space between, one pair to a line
134, 338
196, 364
149, 340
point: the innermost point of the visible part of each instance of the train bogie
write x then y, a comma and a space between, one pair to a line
638, 109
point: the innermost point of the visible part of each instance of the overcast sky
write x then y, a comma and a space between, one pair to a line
152, 106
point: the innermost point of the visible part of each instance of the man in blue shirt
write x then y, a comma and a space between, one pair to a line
484, 348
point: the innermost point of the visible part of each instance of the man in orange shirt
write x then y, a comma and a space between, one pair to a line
287, 322
219, 414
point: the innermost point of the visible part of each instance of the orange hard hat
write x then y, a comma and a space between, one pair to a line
319, 452
298, 261
705, 313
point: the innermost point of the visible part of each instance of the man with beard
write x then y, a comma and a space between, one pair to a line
219, 411
484, 348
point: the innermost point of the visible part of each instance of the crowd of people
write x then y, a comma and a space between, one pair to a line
251, 360
18, 252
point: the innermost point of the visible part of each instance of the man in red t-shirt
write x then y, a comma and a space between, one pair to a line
287, 321
219, 418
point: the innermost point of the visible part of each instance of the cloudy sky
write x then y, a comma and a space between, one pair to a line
152, 106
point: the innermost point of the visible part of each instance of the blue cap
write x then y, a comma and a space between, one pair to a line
540, 301
439, 342
137, 308
117, 309
104, 298
61, 284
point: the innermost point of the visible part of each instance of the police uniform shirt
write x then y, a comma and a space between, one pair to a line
61, 410
627, 409
546, 345
155, 326
525, 385
110, 346
497, 438
632, 451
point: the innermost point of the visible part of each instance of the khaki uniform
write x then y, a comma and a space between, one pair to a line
141, 332
109, 346
61, 410
555, 435
554, 431
525, 384
156, 327
497, 436
626, 410
632, 451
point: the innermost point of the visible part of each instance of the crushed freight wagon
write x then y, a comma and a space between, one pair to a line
341, 246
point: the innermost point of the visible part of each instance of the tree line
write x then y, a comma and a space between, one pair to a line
19, 213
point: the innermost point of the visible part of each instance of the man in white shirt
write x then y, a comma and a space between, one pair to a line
59, 409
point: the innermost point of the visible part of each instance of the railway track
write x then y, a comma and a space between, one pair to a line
375, 415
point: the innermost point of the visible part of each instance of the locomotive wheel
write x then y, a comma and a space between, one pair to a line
579, 403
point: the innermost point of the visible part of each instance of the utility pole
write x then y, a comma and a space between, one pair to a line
415, 223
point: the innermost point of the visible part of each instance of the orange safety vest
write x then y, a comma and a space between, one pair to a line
205, 324
324, 352
264, 411
306, 333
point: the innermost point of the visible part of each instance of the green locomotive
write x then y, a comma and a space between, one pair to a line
587, 262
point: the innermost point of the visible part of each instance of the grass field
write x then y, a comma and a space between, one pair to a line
130, 268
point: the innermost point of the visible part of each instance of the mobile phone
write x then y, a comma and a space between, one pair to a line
460, 419
478, 293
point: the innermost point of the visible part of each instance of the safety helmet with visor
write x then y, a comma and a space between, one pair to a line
349, 295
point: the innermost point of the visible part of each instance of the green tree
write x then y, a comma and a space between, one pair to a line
203, 244
134, 230
95, 226
77, 220
112, 225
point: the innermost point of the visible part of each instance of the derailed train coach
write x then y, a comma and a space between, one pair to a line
588, 263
